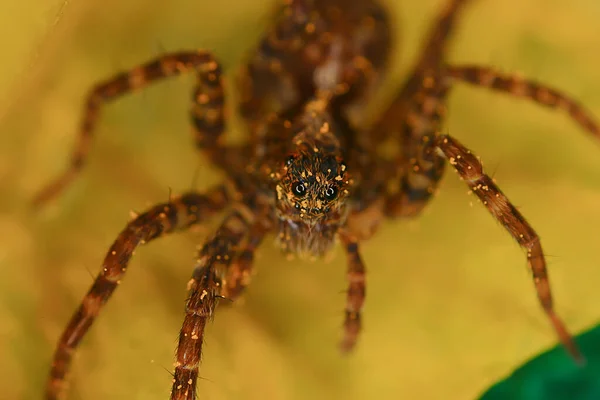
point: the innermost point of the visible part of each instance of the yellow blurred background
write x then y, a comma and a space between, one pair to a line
451, 307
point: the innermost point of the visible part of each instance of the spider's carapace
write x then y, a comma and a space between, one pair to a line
312, 190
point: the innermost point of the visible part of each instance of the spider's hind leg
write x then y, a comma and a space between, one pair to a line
436, 44
208, 113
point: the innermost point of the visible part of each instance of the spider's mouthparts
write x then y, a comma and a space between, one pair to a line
306, 239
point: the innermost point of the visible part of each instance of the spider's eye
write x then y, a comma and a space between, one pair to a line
290, 160
299, 189
331, 192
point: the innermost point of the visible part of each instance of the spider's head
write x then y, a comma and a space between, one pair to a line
313, 188
311, 200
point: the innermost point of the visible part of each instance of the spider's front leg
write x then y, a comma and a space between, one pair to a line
208, 111
205, 288
471, 171
178, 214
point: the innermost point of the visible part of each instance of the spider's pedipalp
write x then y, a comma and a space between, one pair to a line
179, 214
520, 87
240, 270
207, 110
355, 294
470, 169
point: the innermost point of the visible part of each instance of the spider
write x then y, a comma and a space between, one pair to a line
313, 170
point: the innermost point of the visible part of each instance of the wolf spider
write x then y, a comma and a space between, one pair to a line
312, 170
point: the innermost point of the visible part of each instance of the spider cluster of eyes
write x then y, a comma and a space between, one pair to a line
299, 190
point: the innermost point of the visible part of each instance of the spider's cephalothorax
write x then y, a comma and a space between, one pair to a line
312, 170
312, 187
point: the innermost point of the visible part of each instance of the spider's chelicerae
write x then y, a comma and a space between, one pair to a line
313, 170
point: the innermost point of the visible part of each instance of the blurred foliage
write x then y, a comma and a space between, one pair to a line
553, 376
450, 309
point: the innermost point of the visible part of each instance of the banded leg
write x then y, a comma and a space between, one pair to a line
433, 54
471, 170
419, 165
431, 58
207, 108
415, 116
179, 214
205, 289
355, 295
516, 86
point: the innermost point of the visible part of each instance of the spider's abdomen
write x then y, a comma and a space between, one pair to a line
337, 45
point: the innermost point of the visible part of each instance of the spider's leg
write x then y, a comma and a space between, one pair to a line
421, 167
431, 58
207, 108
471, 171
433, 53
517, 86
414, 116
355, 294
205, 289
178, 214
417, 168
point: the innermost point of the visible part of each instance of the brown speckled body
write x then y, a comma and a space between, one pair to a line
311, 170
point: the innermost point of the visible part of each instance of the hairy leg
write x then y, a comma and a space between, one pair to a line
434, 52
419, 166
178, 214
471, 171
520, 87
205, 288
207, 108
431, 59
414, 117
